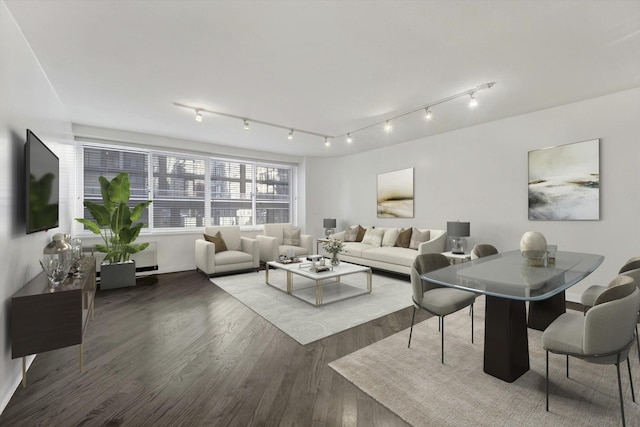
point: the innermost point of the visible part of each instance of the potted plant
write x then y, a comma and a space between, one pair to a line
116, 223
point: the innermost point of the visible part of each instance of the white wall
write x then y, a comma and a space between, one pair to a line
27, 100
486, 184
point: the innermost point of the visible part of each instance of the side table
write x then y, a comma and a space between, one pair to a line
457, 258
318, 242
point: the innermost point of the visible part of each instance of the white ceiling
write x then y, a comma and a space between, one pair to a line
325, 66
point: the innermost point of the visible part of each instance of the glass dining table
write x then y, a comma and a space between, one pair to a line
509, 283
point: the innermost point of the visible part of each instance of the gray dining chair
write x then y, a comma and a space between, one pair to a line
603, 336
630, 268
435, 299
483, 250
588, 297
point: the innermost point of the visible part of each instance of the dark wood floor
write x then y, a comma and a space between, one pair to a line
177, 350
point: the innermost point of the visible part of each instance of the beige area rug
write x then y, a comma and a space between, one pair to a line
414, 384
307, 323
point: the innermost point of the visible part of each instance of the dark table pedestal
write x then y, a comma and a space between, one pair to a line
542, 313
506, 344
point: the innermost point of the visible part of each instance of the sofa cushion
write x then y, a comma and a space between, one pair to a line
418, 237
350, 234
395, 255
404, 238
297, 250
231, 236
373, 237
361, 231
355, 249
217, 240
291, 237
232, 257
390, 237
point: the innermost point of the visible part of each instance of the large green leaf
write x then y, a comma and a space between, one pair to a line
99, 213
101, 248
121, 218
138, 209
92, 226
104, 190
119, 189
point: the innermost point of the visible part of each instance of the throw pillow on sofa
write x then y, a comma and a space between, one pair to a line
291, 237
418, 237
404, 238
350, 234
217, 240
361, 231
390, 237
373, 237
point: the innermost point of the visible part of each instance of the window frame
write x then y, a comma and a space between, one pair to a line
150, 152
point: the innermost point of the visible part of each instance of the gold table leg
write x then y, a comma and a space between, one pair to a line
24, 371
318, 292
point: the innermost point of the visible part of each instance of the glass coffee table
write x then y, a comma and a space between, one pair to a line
322, 287
508, 282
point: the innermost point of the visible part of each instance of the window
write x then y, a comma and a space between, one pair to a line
109, 163
191, 191
178, 191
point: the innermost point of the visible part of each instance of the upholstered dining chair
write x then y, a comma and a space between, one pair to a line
588, 297
603, 336
435, 299
630, 268
483, 250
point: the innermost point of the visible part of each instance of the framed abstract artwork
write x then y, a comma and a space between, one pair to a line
564, 182
395, 194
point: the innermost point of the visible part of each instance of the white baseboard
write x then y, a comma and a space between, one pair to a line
15, 381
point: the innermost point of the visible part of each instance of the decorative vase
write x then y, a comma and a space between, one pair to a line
57, 259
334, 259
533, 246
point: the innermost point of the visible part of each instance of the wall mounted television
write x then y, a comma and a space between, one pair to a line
42, 171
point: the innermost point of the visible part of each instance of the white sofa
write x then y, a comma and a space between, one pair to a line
280, 239
385, 255
241, 254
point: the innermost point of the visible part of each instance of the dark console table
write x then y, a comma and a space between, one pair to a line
44, 318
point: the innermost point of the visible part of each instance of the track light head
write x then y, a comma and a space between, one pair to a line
387, 126
290, 136
198, 115
326, 141
246, 124
473, 102
428, 114
349, 139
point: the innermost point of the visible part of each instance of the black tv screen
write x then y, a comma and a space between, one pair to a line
42, 176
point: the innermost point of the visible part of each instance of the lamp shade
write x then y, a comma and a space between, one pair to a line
458, 229
329, 223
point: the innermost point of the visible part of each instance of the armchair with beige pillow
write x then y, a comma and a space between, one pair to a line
283, 239
223, 250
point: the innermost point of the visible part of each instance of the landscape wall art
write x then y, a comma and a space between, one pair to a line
564, 182
395, 194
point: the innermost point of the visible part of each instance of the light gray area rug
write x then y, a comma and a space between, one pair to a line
307, 323
414, 384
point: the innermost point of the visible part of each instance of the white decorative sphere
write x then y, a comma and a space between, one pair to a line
533, 244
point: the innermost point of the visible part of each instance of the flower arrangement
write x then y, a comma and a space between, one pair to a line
333, 246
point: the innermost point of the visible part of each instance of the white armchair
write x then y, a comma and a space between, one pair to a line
279, 239
241, 253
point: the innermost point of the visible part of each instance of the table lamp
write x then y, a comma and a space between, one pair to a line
329, 225
457, 231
